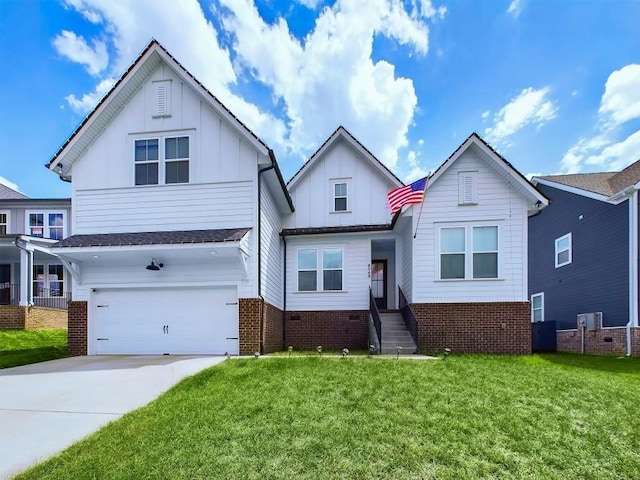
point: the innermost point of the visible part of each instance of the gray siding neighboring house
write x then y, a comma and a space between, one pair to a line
583, 258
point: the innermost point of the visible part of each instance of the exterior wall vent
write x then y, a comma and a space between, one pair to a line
163, 98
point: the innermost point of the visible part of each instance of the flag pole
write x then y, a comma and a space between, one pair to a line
422, 204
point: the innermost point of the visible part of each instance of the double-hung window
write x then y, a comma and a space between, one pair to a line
340, 197
327, 278
4, 223
537, 307
563, 250
146, 161
469, 252
162, 160
46, 224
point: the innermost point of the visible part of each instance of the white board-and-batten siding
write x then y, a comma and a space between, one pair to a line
355, 281
271, 250
367, 191
498, 203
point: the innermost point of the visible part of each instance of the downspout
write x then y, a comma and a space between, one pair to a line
284, 294
633, 267
259, 221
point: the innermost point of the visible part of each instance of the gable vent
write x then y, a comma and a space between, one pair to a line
163, 99
467, 188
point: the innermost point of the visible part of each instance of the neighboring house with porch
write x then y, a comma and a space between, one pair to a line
187, 240
30, 277
583, 260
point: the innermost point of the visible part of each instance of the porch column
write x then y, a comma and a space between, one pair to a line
25, 276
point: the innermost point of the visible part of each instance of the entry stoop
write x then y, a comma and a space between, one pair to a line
395, 334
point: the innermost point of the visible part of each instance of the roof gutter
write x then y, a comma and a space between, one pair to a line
274, 165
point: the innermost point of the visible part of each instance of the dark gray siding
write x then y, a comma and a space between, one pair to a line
597, 279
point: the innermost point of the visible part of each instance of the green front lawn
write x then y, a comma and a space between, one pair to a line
21, 347
544, 417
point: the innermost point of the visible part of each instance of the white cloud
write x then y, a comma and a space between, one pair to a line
416, 171
621, 99
95, 59
486, 114
311, 4
366, 97
8, 183
131, 24
92, 15
611, 148
89, 100
516, 7
530, 107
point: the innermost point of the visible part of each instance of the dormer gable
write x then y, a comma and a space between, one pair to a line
342, 184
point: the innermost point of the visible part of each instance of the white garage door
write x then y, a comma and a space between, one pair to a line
166, 321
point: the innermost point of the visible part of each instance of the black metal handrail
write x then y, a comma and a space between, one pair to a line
42, 297
375, 314
51, 298
408, 315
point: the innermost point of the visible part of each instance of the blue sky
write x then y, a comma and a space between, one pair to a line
553, 85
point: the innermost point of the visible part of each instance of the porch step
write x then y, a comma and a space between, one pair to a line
395, 334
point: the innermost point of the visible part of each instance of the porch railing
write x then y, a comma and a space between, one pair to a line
375, 314
409, 317
43, 297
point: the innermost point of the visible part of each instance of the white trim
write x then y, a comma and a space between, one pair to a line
541, 295
570, 250
569, 189
346, 183
162, 161
633, 267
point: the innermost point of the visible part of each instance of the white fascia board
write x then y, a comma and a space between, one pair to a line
70, 251
569, 189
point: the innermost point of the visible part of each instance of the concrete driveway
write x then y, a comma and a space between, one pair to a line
47, 406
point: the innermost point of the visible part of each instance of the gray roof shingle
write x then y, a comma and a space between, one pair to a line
154, 238
7, 193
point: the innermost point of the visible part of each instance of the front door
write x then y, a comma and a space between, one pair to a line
5, 284
379, 282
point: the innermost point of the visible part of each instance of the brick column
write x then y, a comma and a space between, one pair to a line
249, 325
77, 333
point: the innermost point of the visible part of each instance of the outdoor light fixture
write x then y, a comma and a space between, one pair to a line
290, 349
319, 349
447, 351
398, 351
372, 350
154, 265
345, 352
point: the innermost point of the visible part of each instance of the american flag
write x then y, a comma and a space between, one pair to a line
407, 195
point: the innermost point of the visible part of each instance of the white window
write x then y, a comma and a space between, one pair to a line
328, 278
174, 152
46, 224
332, 269
467, 188
49, 284
537, 307
4, 223
563, 250
469, 252
340, 197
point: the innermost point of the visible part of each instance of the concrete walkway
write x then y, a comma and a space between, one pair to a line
47, 406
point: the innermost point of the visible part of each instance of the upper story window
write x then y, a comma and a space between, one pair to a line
4, 223
46, 224
340, 197
330, 276
469, 252
563, 250
174, 152
537, 307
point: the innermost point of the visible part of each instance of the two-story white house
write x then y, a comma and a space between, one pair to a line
34, 285
186, 239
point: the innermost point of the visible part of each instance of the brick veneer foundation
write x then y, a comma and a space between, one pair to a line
12, 316
31, 318
249, 312
77, 330
608, 341
331, 329
491, 327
